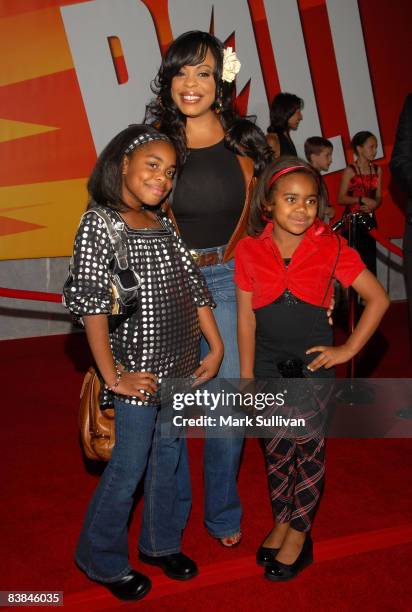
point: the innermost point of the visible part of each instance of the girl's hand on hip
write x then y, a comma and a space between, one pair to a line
137, 384
329, 356
209, 367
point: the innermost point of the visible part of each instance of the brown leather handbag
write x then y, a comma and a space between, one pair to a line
96, 425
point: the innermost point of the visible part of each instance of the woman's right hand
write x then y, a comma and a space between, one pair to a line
137, 384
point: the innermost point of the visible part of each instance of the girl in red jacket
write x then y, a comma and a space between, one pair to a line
283, 273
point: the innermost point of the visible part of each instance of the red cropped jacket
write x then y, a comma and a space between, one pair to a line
259, 267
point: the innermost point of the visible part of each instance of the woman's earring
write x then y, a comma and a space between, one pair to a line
218, 101
218, 106
160, 102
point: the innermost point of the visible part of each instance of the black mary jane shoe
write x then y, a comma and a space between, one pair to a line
266, 555
177, 566
280, 572
133, 586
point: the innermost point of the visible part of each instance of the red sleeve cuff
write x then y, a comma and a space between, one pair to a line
350, 265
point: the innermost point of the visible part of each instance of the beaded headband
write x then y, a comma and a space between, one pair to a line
144, 139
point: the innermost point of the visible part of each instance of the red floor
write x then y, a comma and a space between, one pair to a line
362, 533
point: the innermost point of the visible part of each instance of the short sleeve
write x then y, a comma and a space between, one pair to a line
242, 276
89, 289
350, 264
199, 290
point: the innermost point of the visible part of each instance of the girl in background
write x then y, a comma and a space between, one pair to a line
219, 153
361, 192
283, 275
285, 115
132, 176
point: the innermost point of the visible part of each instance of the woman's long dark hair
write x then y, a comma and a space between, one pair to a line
105, 182
247, 139
263, 193
283, 106
190, 49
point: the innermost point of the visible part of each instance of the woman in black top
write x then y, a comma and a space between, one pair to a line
219, 152
285, 115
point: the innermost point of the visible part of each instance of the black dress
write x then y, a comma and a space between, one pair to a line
287, 148
285, 329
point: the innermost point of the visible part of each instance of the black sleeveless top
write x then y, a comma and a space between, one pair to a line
287, 148
209, 197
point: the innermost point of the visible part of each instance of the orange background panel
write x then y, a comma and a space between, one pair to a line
15, 7
54, 206
13, 226
67, 152
33, 45
13, 130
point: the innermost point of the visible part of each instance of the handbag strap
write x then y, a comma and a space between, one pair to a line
117, 236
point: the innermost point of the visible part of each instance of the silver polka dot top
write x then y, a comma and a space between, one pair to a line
162, 335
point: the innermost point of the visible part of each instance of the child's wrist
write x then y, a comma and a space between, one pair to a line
113, 384
350, 349
218, 348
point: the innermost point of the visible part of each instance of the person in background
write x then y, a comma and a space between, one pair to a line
219, 153
401, 168
318, 152
361, 192
285, 116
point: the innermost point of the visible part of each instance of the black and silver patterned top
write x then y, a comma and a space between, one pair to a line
162, 335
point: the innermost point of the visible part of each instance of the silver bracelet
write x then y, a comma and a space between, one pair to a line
119, 375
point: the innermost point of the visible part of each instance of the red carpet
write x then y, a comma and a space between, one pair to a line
362, 533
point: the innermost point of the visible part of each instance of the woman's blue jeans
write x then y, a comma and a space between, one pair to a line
221, 455
102, 550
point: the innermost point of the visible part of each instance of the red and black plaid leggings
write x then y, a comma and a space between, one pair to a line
296, 471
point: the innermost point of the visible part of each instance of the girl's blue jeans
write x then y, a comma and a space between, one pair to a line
102, 550
221, 455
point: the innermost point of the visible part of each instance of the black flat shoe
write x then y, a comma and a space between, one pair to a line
280, 572
132, 586
266, 555
177, 566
